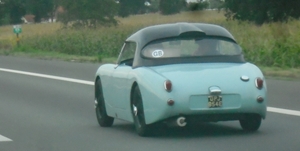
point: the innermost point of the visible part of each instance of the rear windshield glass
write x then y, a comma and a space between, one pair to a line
174, 48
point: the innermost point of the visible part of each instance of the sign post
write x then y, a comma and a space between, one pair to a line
17, 29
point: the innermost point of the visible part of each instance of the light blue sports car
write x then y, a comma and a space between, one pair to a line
177, 74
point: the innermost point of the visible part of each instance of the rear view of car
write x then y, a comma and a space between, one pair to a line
212, 83
180, 73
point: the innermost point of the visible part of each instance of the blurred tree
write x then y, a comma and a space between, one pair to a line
89, 13
216, 4
262, 11
40, 8
154, 5
54, 11
12, 11
3, 12
199, 5
128, 7
168, 7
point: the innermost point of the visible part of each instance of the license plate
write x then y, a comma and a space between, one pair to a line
214, 101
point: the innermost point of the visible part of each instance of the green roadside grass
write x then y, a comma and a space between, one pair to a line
269, 72
274, 47
281, 73
44, 55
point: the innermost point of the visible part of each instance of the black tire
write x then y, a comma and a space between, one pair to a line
103, 119
138, 113
251, 122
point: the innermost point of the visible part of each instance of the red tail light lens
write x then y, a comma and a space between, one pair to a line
259, 83
168, 85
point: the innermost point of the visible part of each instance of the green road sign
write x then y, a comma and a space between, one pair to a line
17, 29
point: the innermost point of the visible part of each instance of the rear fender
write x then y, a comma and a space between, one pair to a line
151, 85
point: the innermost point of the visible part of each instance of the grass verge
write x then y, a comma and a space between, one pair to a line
281, 73
269, 72
273, 46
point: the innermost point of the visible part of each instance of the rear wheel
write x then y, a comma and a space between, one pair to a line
138, 113
251, 122
103, 119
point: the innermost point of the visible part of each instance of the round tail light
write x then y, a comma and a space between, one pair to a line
259, 83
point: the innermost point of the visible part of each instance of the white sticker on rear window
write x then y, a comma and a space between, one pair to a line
157, 53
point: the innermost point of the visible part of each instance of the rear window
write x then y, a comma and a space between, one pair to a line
175, 48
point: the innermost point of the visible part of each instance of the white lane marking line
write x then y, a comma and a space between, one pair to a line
283, 111
4, 139
48, 76
269, 109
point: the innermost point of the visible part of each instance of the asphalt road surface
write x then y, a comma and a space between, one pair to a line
40, 111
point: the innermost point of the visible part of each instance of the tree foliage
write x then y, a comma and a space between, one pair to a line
89, 13
14, 9
2, 13
200, 5
11, 11
168, 7
80, 12
54, 11
128, 7
154, 5
216, 4
39, 8
262, 11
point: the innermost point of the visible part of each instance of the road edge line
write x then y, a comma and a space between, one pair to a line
48, 76
4, 139
283, 111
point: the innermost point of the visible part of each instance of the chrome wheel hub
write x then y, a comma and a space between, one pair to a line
135, 110
96, 103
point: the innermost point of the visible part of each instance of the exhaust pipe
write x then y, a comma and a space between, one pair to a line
181, 121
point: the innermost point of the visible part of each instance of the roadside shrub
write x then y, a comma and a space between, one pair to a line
104, 41
273, 44
194, 6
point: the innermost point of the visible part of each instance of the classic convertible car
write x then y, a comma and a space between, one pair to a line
177, 74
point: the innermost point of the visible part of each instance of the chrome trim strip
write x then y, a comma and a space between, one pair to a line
215, 90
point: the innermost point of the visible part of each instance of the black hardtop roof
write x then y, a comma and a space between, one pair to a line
174, 30
151, 33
